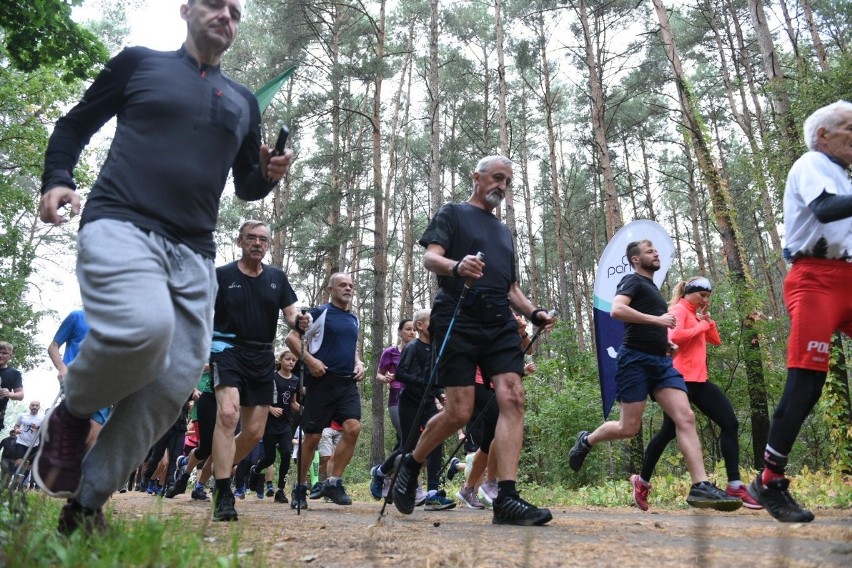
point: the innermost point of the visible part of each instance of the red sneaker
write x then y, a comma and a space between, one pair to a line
641, 490
742, 493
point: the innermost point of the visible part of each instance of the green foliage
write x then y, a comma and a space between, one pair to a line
835, 409
40, 33
30, 101
28, 537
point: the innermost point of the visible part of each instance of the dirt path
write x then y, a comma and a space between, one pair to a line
328, 535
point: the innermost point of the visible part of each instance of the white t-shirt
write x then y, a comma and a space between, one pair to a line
812, 174
30, 424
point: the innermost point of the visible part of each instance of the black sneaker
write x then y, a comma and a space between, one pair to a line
281, 497
316, 490
706, 495
451, 469
336, 492
75, 517
270, 492
199, 494
256, 480
577, 454
776, 499
512, 510
170, 492
405, 488
298, 497
180, 484
223, 507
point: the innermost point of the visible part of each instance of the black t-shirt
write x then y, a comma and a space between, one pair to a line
11, 379
413, 370
285, 390
7, 448
645, 298
247, 307
463, 229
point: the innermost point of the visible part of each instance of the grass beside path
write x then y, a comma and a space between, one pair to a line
164, 536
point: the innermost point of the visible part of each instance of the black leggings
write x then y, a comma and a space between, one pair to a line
284, 444
801, 393
407, 413
173, 442
712, 402
205, 408
485, 401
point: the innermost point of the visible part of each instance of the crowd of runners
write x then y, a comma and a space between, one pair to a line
157, 311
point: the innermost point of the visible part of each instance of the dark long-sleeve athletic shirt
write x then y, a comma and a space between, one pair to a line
181, 127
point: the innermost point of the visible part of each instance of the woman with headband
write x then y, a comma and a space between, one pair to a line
690, 304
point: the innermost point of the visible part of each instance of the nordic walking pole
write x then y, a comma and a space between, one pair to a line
487, 407
22, 465
301, 407
429, 384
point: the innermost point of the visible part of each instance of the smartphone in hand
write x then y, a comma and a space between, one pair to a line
281, 141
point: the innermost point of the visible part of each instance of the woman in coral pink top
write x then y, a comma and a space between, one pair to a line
694, 329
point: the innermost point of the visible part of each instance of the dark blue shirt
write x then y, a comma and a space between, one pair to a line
335, 339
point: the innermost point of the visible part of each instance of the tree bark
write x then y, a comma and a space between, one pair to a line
723, 209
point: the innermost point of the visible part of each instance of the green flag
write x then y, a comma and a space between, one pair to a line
265, 93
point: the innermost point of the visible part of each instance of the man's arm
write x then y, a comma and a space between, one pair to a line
829, 207
56, 359
294, 319
519, 301
294, 341
468, 267
621, 310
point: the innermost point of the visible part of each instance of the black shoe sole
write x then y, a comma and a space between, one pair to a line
714, 504
544, 518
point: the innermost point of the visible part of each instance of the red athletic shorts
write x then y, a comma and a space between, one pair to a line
818, 294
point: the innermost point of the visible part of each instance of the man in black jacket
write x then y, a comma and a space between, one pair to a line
146, 248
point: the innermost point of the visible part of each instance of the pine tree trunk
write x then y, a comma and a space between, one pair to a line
723, 209
380, 259
612, 207
549, 110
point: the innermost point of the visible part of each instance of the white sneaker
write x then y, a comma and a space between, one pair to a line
419, 497
488, 492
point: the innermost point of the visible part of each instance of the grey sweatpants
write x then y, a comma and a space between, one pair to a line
149, 304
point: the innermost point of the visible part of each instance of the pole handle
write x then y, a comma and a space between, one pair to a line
469, 281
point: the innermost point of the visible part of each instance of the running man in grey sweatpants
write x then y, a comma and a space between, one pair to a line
146, 250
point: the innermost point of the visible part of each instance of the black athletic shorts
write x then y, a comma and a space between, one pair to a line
495, 349
250, 372
328, 398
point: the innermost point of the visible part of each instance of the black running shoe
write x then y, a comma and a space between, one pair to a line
299, 496
577, 454
405, 488
316, 490
223, 507
776, 499
75, 517
199, 494
705, 495
270, 492
180, 484
451, 469
512, 510
281, 497
256, 480
336, 492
